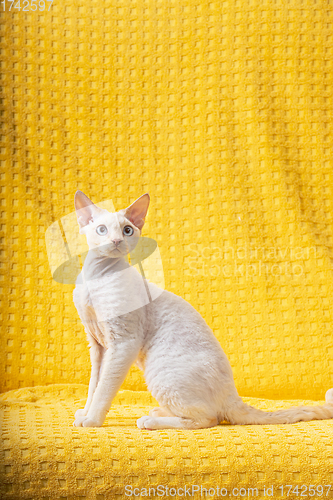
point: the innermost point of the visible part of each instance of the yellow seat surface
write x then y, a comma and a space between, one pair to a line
43, 453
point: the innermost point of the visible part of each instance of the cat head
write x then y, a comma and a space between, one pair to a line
111, 234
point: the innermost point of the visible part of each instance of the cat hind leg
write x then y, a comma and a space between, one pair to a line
160, 412
153, 423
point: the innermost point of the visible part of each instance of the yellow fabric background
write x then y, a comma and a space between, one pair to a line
223, 112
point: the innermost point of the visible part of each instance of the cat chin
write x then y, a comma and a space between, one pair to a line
114, 254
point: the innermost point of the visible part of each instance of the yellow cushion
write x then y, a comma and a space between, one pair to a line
44, 453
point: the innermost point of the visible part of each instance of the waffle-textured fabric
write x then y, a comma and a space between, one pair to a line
45, 457
222, 111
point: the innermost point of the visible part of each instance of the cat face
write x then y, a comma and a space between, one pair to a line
111, 234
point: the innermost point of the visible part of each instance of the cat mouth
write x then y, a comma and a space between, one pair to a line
112, 253
116, 250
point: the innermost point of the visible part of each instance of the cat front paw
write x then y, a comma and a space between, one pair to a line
81, 413
85, 421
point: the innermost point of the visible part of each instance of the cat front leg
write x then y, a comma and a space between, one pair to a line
96, 358
117, 361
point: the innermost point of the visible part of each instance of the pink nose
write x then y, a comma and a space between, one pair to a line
117, 242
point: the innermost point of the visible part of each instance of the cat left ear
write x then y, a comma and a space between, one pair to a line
137, 212
85, 209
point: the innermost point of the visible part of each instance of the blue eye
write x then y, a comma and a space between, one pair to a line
128, 231
101, 230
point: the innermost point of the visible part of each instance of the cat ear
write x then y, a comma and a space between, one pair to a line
137, 212
85, 209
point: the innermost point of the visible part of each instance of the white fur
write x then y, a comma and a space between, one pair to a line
184, 366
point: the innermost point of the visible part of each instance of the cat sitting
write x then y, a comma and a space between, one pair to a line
184, 366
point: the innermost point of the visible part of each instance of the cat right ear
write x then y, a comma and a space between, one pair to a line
85, 209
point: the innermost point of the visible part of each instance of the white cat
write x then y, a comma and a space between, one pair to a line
184, 365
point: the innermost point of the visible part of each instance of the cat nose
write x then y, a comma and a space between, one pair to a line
117, 242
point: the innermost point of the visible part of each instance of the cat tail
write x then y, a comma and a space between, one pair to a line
243, 414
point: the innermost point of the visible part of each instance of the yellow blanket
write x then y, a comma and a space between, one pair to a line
46, 457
